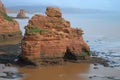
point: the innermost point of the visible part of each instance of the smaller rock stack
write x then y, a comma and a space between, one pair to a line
21, 14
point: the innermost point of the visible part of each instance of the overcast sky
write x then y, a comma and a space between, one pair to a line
84, 4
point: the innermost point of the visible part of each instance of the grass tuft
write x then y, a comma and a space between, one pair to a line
35, 30
6, 17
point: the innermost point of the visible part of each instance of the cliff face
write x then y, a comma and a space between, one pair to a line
2, 8
9, 28
52, 37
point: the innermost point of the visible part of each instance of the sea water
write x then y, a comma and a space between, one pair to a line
102, 34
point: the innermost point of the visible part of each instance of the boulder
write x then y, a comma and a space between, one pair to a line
51, 40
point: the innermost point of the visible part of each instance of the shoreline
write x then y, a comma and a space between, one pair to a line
21, 71
11, 54
86, 71
19, 17
10, 71
94, 61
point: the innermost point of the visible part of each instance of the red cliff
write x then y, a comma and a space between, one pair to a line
2, 8
51, 39
9, 28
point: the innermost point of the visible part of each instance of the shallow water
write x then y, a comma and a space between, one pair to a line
101, 32
71, 71
66, 72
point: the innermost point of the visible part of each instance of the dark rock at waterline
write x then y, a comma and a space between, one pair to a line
94, 53
104, 77
10, 48
2, 66
95, 64
90, 77
8, 58
11, 53
8, 64
19, 17
96, 68
99, 61
11, 75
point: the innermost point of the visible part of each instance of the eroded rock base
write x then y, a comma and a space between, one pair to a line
10, 36
44, 61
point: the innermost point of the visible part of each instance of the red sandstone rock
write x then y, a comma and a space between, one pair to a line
9, 28
52, 36
2, 8
21, 14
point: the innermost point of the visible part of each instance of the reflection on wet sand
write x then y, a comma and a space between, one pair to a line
69, 71
72, 71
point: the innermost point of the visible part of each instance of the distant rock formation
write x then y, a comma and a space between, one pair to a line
51, 40
9, 28
2, 8
21, 14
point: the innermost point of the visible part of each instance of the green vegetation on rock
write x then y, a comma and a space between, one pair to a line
6, 17
85, 53
35, 30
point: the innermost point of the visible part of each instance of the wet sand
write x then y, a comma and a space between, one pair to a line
71, 71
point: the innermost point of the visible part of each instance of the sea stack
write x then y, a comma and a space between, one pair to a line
50, 39
9, 28
21, 14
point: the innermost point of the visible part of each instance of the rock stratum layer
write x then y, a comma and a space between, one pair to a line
51, 39
9, 28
